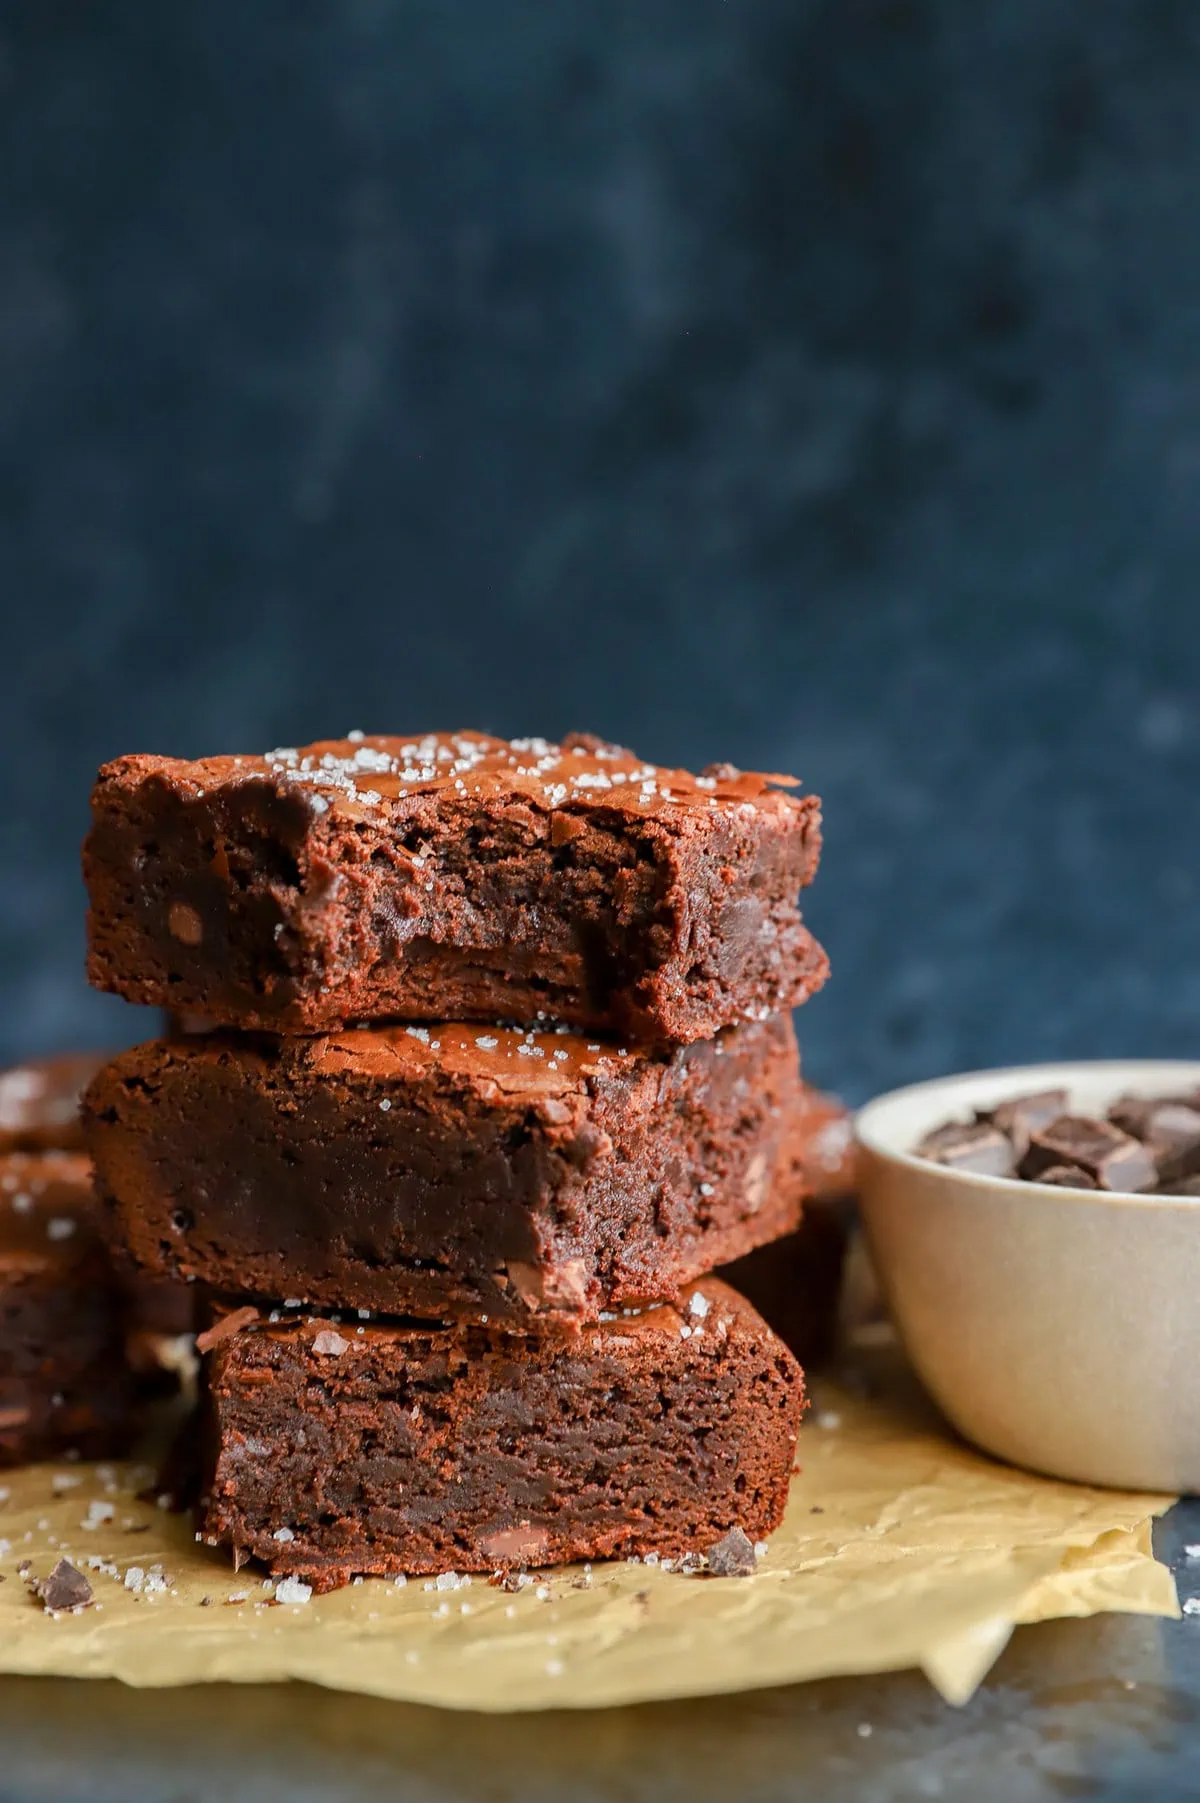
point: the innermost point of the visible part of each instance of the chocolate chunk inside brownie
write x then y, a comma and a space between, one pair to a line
334, 1448
449, 877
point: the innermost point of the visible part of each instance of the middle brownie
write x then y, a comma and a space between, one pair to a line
451, 1172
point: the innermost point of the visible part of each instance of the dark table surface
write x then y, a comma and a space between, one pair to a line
1106, 1708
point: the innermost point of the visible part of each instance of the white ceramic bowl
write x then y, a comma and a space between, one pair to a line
1056, 1328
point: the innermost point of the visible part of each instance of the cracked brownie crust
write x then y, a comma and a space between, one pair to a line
453, 877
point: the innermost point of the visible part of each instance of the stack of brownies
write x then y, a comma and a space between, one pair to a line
500, 1067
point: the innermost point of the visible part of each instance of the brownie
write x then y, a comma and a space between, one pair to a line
332, 1448
39, 1112
64, 1383
796, 1282
39, 1103
451, 1172
453, 877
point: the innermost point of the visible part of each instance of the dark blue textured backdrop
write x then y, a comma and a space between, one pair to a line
816, 385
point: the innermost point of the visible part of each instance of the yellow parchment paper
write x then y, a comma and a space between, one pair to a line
900, 1548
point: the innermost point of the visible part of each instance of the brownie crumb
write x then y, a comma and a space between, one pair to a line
66, 1591
225, 1328
732, 1557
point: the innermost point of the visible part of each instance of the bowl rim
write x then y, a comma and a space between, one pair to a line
1056, 1074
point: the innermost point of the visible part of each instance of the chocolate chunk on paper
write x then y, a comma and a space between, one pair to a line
66, 1591
732, 1557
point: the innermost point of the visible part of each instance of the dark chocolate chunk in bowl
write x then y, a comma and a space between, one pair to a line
1169, 1126
1186, 1186
1067, 1176
971, 1146
1021, 1116
1113, 1160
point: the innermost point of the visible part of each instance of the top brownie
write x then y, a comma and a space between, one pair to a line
455, 876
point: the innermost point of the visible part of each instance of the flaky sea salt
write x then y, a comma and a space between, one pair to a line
699, 1305
283, 1535
292, 1590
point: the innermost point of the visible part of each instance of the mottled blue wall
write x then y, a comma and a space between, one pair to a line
816, 385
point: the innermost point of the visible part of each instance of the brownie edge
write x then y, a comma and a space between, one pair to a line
333, 1449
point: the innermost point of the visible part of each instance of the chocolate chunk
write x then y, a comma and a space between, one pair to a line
969, 1146
732, 1557
66, 1591
1168, 1126
1114, 1160
1021, 1116
1183, 1186
1068, 1176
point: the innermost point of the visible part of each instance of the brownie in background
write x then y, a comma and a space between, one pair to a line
796, 1282
64, 1380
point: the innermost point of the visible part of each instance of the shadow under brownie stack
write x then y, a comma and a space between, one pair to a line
456, 1268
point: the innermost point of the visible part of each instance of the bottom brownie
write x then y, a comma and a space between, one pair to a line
333, 1449
64, 1381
